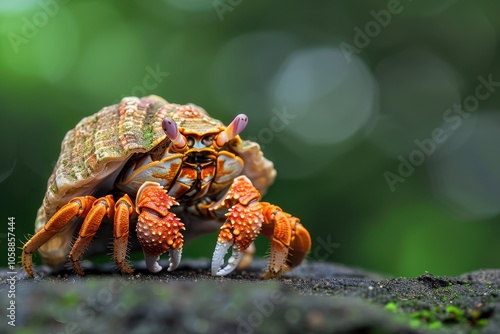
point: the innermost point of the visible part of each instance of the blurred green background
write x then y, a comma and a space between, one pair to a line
363, 84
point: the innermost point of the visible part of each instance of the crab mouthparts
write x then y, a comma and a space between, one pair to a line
195, 156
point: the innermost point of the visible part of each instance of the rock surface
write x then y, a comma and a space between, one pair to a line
314, 298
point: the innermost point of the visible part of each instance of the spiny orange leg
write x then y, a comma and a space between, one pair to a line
76, 207
290, 241
158, 229
123, 210
102, 206
243, 224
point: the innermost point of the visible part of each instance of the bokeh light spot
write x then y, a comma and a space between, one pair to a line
466, 175
244, 68
333, 99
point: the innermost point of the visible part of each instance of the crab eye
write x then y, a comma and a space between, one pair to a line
170, 128
190, 141
172, 132
237, 125
207, 140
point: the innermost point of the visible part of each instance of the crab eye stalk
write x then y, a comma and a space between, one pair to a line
235, 128
179, 142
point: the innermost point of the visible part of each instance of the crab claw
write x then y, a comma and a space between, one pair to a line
175, 256
179, 142
235, 128
158, 229
243, 224
153, 266
218, 259
152, 262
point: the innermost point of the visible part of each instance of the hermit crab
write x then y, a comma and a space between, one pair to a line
150, 174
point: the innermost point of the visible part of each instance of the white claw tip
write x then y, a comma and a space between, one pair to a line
152, 263
218, 259
175, 258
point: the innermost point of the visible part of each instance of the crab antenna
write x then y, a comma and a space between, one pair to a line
179, 142
235, 128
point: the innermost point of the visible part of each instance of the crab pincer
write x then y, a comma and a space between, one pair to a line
158, 229
246, 218
242, 226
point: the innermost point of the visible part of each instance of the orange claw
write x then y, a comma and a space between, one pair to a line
290, 241
243, 224
158, 229
300, 245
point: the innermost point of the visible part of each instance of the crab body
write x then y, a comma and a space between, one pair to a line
165, 172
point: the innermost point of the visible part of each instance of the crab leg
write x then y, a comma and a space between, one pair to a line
123, 210
100, 207
158, 229
290, 241
76, 207
243, 224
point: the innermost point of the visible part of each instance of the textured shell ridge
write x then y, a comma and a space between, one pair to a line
193, 119
99, 146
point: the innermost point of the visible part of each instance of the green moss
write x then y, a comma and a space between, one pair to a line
482, 322
393, 307
437, 317
70, 299
53, 188
415, 323
428, 316
148, 135
455, 313
435, 325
